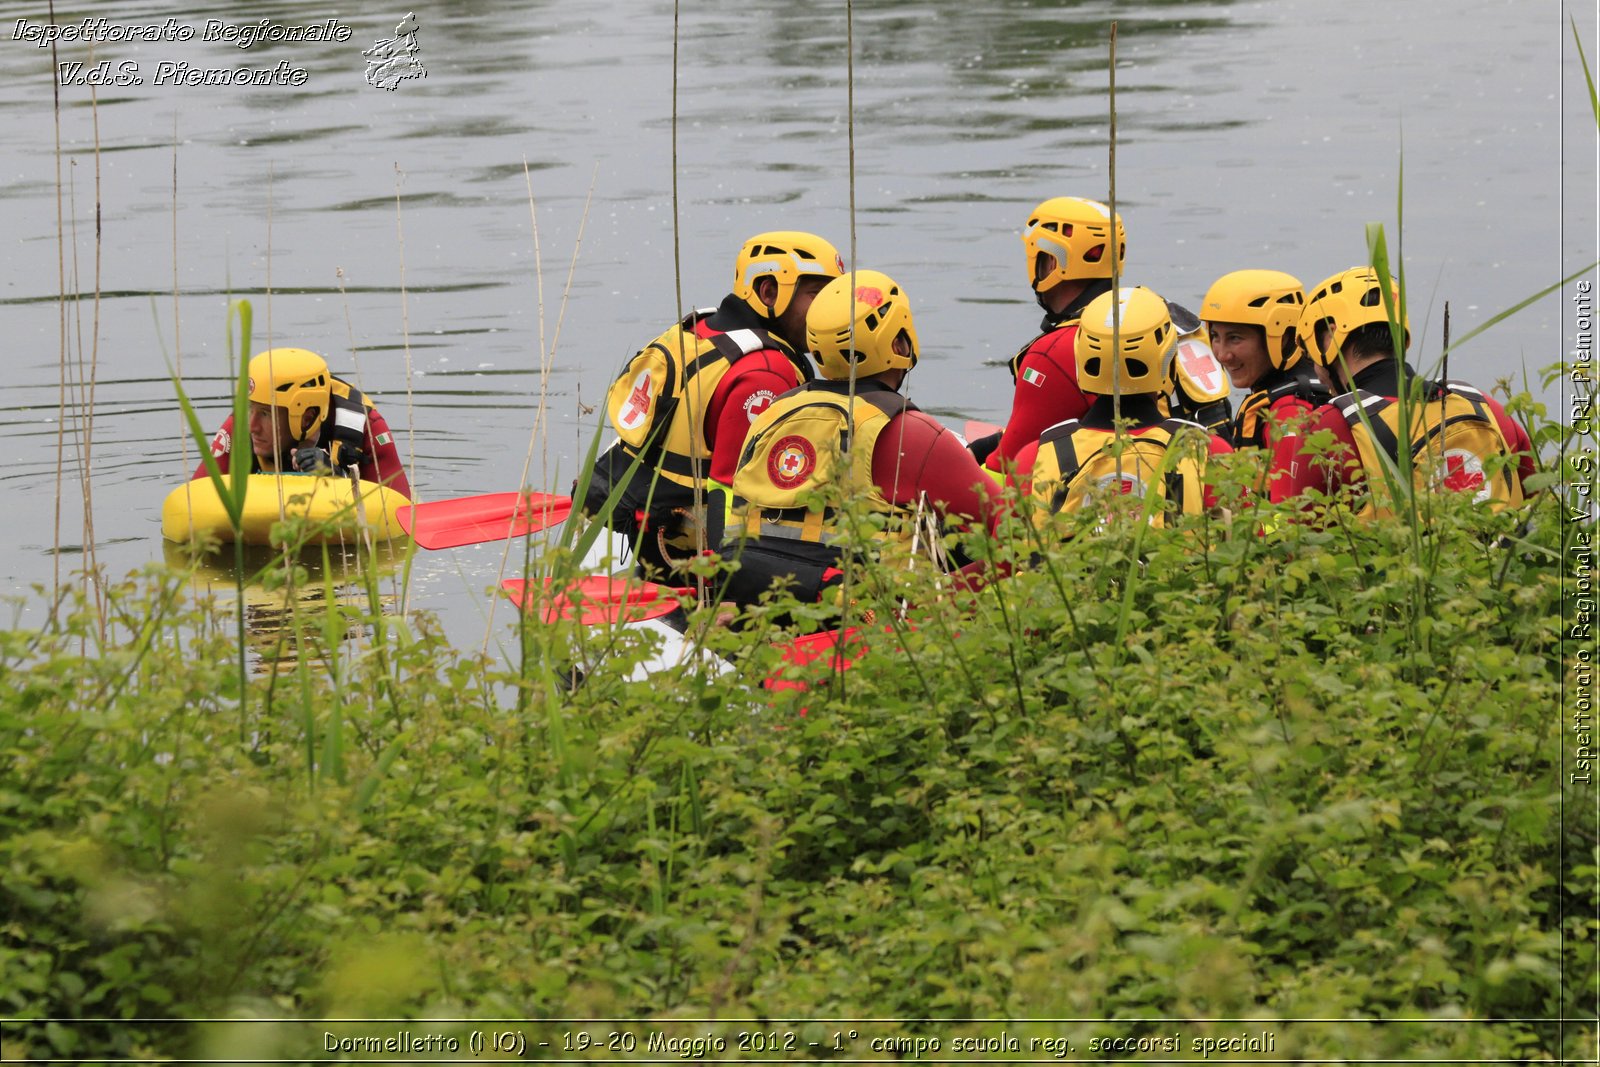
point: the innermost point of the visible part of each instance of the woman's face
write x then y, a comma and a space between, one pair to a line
1242, 349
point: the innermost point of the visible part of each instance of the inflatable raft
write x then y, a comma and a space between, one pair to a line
193, 510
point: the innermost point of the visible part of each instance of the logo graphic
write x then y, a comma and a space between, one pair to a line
869, 295
1032, 377
1463, 472
1200, 365
392, 61
638, 405
222, 444
759, 401
791, 462
1128, 485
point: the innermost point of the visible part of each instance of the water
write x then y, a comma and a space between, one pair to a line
395, 230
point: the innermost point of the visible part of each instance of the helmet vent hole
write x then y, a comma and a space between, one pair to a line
1093, 255
1292, 298
1137, 367
1371, 298
870, 321
1259, 301
1091, 365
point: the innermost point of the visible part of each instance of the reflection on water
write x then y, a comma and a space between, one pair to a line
295, 609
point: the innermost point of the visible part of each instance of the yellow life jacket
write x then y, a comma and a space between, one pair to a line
343, 432
797, 448
1453, 436
348, 433
657, 405
1078, 467
1250, 425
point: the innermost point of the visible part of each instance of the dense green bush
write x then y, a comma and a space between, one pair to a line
1205, 774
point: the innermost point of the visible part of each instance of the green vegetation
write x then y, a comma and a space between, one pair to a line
1201, 773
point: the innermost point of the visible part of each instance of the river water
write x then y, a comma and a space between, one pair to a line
427, 237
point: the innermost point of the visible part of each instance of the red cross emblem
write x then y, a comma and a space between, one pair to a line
869, 295
1462, 472
791, 462
638, 405
1200, 364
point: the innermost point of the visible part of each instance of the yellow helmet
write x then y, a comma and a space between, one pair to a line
1075, 233
787, 255
294, 379
1345, 302
1147, 342
880, 313
1269, 299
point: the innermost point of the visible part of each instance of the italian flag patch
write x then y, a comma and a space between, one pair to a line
1032, 377
384, 439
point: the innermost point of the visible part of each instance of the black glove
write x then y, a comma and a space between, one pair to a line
981, 447
309, 459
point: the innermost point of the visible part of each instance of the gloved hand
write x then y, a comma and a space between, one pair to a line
309, 459
981, 447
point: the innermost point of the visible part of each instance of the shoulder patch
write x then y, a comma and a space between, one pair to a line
1032, 377
757, 402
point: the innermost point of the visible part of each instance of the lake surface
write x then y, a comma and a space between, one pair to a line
423, 237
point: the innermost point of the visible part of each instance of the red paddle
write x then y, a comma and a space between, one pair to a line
975, 429
597, 599
843, 648
472, 520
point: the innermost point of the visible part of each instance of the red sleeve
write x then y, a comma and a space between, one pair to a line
1290, 413
743, 394
915, 455
1292, 472
1047, 393
221, 446
1021, 474
1517, 438
383, 465
1215, 447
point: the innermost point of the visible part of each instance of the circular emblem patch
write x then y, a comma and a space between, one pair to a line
1125, 484
791, 462
1462, 472
758, 402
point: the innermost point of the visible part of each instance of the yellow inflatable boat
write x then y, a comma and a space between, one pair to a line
193, 510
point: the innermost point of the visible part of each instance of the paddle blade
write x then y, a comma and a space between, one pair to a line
975, 429
472, 520
842, 647
596, 599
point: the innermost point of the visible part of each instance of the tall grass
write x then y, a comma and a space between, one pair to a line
1257, 800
